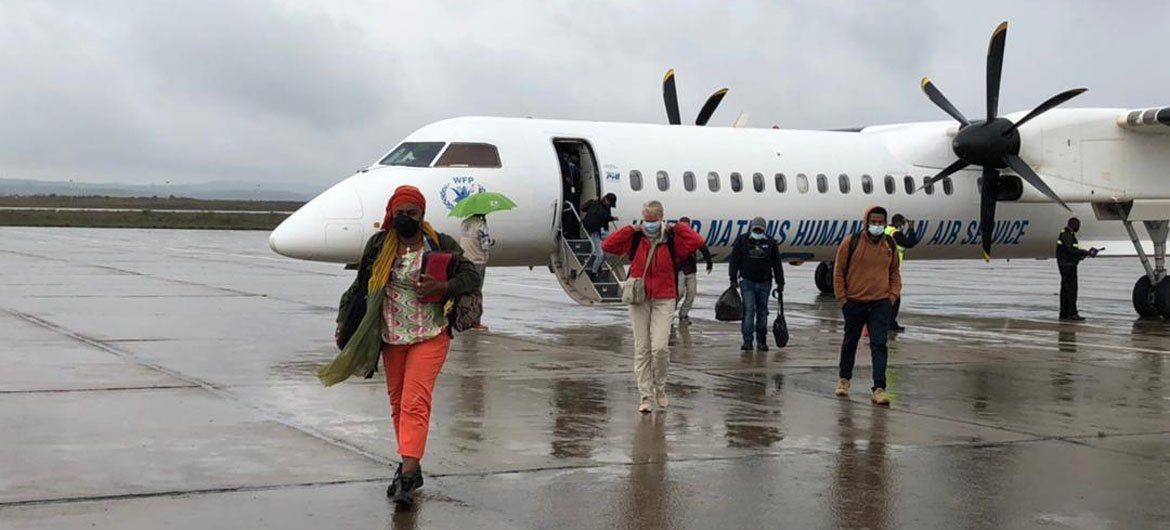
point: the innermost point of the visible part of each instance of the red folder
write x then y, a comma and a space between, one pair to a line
437, 265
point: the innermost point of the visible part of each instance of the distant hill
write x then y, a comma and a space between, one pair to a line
221, 190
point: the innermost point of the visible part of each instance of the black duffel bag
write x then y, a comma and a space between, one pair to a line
780, 325
729, 307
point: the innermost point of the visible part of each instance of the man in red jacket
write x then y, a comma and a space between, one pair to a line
651, 319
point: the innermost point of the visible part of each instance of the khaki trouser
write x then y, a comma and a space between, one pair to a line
687, 285
651, 323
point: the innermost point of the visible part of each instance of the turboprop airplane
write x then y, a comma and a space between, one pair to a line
1003, 182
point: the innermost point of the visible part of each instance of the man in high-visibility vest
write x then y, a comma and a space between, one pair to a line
904, 239
1068, 255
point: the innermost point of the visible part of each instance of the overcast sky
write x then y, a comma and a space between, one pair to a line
305, 91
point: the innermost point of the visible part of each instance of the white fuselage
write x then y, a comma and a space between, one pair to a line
809, 223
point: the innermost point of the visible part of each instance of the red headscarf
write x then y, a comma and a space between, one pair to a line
403, 195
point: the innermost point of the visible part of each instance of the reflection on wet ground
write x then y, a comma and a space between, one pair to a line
168, 375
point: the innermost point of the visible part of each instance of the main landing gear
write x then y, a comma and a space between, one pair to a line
1151, 293
824, 277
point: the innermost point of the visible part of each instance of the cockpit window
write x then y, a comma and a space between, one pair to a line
413, 154
469, 155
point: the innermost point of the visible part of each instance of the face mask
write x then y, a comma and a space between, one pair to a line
406, 226
651, 227
757, 235
876, 230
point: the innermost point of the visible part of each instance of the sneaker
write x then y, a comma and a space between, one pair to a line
660, 397
645, 407
897, 327
747, 346
842, 387
879, 397
762, 345
407, 484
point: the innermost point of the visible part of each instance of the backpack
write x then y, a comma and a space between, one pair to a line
854, 240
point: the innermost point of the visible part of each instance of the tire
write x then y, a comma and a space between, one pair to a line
1144, 298
1162, 298
824, 277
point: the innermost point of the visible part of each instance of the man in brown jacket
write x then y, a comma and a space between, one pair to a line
866, 282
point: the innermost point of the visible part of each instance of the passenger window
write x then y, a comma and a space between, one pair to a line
713, 181
758, 182
689, 181
867, 184
781, 183
843, 182
928, 185
948, 186
635, 180
413, 154
736, 182
469, 155
802, 183
663, 181
822, 183
909, 181
891, 186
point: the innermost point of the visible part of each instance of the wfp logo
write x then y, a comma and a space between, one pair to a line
458, 189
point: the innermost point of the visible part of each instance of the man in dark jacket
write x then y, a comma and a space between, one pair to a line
1068, 255
902, 230
688, 282
597, 217
755, 261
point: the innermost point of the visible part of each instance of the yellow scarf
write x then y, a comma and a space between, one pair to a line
381, 273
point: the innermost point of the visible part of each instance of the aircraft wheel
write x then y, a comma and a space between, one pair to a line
1162, 298
1144, 298
824, 277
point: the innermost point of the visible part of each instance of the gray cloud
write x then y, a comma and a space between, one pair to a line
299, 91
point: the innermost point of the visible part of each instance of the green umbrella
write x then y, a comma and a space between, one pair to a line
481, 203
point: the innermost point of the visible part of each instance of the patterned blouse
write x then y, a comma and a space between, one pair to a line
409, 321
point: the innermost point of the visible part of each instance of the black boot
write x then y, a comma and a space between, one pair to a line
407, 484
394, 482
747, 346
762, 345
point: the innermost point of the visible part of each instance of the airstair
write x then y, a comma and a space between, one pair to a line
569, 263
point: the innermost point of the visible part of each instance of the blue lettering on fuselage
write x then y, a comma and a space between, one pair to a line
832, 232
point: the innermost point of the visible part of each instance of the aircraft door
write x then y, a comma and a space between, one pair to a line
580, 182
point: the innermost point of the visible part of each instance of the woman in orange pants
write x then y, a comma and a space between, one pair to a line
413, 327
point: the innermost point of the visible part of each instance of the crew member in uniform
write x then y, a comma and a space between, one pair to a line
1068, 255
904, 239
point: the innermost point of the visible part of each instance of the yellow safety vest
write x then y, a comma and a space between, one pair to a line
890, 230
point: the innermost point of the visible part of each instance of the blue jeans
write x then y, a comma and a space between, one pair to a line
875, 315
755, 309
595, 260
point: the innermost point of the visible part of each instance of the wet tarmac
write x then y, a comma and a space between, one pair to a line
165, 379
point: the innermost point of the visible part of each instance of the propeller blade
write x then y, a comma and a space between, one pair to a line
1052, 103
741, 121
988, 190
945, 173
939, 99
995, 69
670, 96
710, 106
1025, 171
